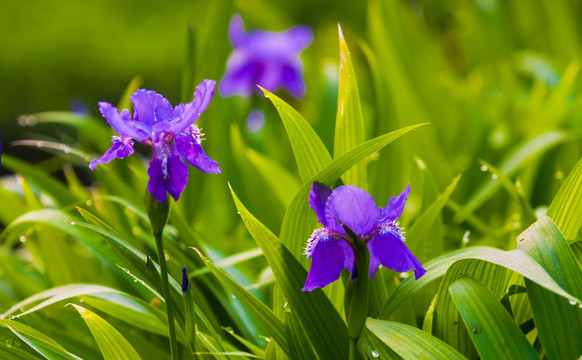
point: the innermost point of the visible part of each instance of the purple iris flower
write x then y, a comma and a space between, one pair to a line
269, 59
169, 132
330, 247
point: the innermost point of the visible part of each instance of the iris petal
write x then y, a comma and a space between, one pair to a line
121, 148
329, 256
156, 185
177, 177
121, 122
317, 199
236, 31
292, 79
353, 207
150, 107
387, 248
189, 147
188, 113
395, 206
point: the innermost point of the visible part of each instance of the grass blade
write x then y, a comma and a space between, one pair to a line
112, 344
558, 320
492, 330
349, 123
410, 342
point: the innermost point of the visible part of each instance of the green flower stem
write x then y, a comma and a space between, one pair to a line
356, 298
167, 296
158, 213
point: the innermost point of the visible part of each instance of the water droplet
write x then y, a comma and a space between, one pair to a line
494, 176
72, 223
466, 236
286, 304
23, 239
134, 280
126, 270
9, 342
89, 202
167, 257
234, 297
572, 302
580, 306
17, 343
518, 184
484, 167
136, 230
375, 354
267, 339
559, 175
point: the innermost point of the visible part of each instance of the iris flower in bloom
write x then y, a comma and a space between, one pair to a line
330, 247
169, 132
269, 59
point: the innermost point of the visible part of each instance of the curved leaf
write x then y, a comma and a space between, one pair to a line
112, 344
310, 153
492, 330
558, 320
410, 342
566, 208
515, 260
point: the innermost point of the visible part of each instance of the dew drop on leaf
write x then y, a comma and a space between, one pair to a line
375, 354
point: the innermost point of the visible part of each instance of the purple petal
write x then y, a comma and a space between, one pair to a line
177, 177
387, 248
188, 145
121, 148
122, 123
298, 37
187, 114
395, 206
352, 206
150, 107
317, 199
270, 76
240, 77
167, 175
329, 256
156, 185
236, 31
293, 80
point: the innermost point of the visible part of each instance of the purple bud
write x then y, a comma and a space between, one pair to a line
185, 283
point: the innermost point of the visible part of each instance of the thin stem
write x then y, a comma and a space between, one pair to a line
167, 297
354, 349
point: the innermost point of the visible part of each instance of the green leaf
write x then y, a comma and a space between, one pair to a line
447, 323
419, 232
558, 319
112, 344
310, 153
520, 156
566, 208
299, 345
42, 180
410, 342
492, 330
54, 295
375, 348
133, 311
41, 343
312, 308
515, 260
299, 220
260, 311
349, 124
282, 182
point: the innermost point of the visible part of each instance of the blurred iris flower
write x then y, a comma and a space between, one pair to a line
269, 59
169, 132
330, 248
